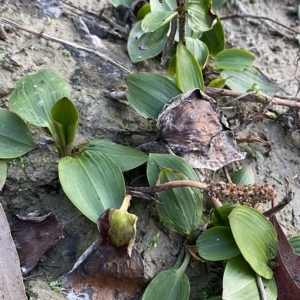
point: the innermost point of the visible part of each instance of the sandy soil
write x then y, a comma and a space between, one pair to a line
32, 182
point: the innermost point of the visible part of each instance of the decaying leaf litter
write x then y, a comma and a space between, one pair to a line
33, 181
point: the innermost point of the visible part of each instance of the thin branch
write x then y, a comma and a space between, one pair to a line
215, 92
88, 50
233, 16
261, 288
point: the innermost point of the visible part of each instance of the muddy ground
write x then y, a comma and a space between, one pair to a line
32, 182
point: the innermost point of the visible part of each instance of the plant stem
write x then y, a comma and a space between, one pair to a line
126, 203
185, 262
182, 20
261, 289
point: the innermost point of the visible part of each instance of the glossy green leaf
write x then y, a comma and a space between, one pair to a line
218, 3
200, 15
143, 11
158, 161
3, 173
243, 176
218, 83
34, 96
295, 243
93, 182
172, 67
233, 59
220, 214
65, 120
168, 285
149, 92
241, 81
189, 74
239, 282
125, 157
151, 39
180, 209
134, 52
217, 243
214, 39
15, 136
198, 49
256, 238
157, 19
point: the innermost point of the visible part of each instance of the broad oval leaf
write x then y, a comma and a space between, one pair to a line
233, 59
15, 136
168, 285
151, 39
3, 173
239, 282
116, 3
125, 157
295, 243
65, 120
198, 49
214, 39
158, 161
218, 83
35, 95
189, 74
134, 52
143, 11
220, 214
149, 92
155, 20
255, 237
93, 182
218, 3
167, 5
242, 81
243, 176
180, 209
201, 15
217, 243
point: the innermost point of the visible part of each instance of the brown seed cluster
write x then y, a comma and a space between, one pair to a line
251, 194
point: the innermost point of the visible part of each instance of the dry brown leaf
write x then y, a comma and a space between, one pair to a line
11, 282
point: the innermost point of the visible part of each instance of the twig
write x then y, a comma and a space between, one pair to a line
261, 288
88, 50
233, 16
215, 92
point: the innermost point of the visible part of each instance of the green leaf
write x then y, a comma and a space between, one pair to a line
172, 67
201, 16
125, 157
220, 214
180, 208
155, 20
166, 5
241, 81
3, 173
218, 83
158, 161
214, 39
189, 74
233, 59
217, 243
134, 52
295, 243
149, 92
34, 96
168, 285
243, 176
198, 49
65, 119
15, 136
151, 39
218, 3
143, 11
239, 282
93, 182
256, 238
126, 3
